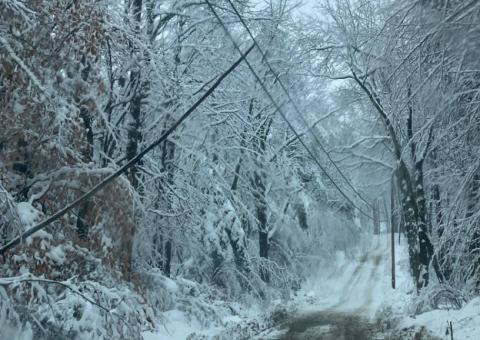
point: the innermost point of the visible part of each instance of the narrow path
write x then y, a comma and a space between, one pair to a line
359, 291
357, 295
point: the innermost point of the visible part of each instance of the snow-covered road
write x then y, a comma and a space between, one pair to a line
345, 301
363, 286
342, 302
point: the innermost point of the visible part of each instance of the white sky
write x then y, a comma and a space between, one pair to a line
307, 7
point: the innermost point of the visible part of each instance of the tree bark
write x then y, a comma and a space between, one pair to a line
86, 116
134, 133
474, 246
420, 248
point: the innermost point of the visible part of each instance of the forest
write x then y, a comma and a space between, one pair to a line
209, 160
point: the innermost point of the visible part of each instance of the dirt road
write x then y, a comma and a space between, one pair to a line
328, 325
350, 315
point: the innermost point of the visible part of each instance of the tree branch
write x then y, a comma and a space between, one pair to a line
127, 165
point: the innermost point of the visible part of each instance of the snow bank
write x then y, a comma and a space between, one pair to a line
240, 322
465, 322
175, 326
200, 312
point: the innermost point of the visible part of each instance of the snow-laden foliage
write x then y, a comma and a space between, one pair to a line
230, 207
411, 68
254, 179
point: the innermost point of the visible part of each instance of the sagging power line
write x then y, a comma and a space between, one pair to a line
295, 106
43, 224
282, 114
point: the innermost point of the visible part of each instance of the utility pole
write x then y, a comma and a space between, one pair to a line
386, 214
399, 211
392, 227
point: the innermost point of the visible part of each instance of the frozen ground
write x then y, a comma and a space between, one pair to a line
343, 302
465, 322
177, 325
347, 291
359, 286
350, 299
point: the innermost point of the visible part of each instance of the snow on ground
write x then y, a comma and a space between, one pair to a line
465, 322
178, 325
175, 325
359, 286
362, 284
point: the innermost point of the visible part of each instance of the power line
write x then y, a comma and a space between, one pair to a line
284, 88
131, 162
278, 108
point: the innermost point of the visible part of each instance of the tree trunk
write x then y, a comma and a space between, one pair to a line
134, 128
82, 223
259, 190
168, 155
168, 258
420, 247
167, 159
474, 247
134, 133
238, 244
262, 221
302, 216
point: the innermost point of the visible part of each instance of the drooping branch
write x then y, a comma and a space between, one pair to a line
22, 65
127, 165
386, 121
28, 278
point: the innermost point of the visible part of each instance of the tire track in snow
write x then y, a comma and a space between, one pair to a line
350, 285
358, 292
349, 318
